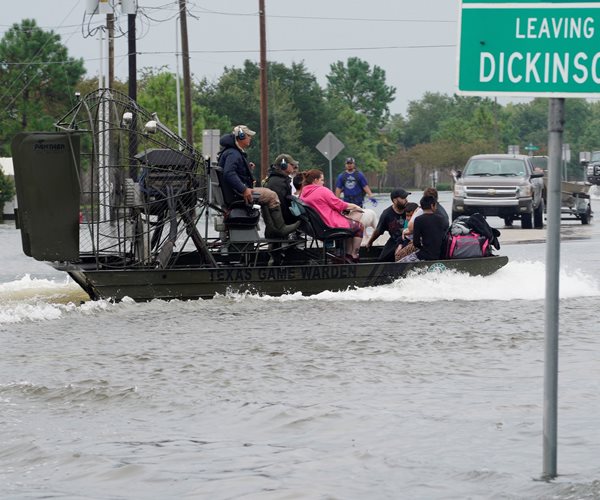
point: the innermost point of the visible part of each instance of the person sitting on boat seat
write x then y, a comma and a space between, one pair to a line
439, 209
298, 182
406, 246
429, 233
392, 220
333, 211
237, 178
279, 179
403, 250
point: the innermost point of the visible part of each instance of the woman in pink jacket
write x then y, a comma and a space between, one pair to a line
330, 208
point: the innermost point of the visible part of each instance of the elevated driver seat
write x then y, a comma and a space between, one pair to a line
240, 219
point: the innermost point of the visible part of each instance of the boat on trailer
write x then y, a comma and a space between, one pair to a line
129, 209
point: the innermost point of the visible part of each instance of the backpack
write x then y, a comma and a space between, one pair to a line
471, 236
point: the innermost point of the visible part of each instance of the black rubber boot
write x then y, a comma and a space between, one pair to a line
279, 224
270, 230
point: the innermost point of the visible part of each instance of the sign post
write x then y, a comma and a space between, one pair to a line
330, 146
536, 48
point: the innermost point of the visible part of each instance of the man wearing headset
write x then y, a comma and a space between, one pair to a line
280, 180
238, 179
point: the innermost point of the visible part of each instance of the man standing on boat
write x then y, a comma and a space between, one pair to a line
237, 178
391, 220
353, 184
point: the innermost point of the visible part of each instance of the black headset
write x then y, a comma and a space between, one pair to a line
241, 135
283, 164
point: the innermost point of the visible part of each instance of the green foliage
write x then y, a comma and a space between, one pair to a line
37, 79
470, 119
234, 97
528, 122
295, 104
308, 99
353, 130
424, 118
157, 92
590, 137
7, 191
87, 85
363, 89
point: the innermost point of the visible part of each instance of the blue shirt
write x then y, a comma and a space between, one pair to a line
352, 185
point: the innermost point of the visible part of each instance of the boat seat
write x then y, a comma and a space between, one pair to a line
237, 213
239, 218
312, 224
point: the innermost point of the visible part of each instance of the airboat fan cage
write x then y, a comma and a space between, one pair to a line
143, 187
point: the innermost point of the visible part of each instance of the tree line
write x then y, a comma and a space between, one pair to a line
438, 132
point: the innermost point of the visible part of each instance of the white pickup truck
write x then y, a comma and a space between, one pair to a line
501, 185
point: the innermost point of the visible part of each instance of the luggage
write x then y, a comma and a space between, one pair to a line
467, 246
470, 237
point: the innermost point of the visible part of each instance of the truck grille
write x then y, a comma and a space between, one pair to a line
491, 192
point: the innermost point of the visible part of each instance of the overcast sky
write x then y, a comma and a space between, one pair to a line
414, 41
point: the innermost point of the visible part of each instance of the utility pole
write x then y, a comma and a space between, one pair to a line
132, 84
131, 50
110, 26
264, 118
187, 91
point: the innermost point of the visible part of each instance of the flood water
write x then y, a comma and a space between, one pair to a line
428, 388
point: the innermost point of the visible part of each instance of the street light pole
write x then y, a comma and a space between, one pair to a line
556, 122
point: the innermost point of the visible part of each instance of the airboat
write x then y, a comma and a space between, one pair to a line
128, 208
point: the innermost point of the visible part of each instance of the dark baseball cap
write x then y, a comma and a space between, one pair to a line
399, 193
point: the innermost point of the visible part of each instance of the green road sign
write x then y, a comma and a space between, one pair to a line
531, 147
519, 48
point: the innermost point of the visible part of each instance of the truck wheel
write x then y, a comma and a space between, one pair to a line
538, 216
526, 222
508, 221
585, 218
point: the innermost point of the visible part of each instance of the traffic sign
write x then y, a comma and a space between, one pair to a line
529, 48
531, 147
329, 147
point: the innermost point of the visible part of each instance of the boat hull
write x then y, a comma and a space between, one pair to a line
205, 283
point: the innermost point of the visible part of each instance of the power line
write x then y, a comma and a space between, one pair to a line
18, 77
320, 49
237, 51
321, 18
364, 19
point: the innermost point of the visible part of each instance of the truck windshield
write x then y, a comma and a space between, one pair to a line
491, 166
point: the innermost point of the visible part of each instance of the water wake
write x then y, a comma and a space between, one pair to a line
519, 280
32, 299
39, 300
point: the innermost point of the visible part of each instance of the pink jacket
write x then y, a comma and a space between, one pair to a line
326, 203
